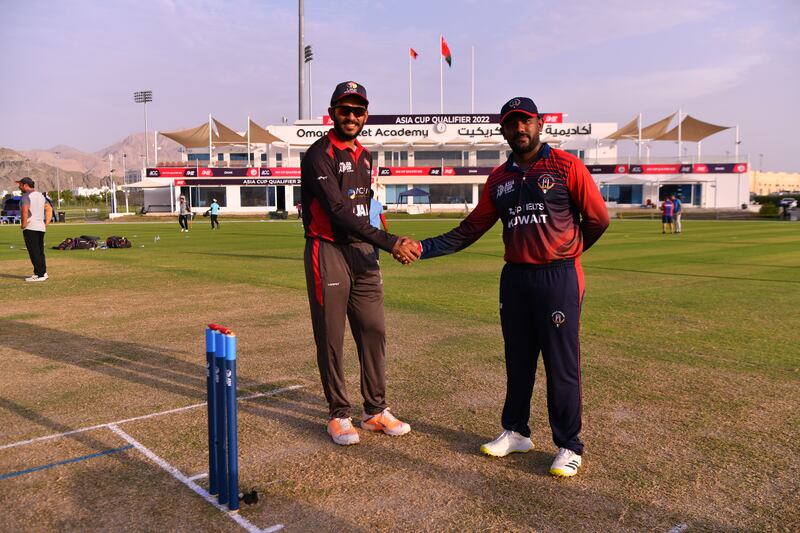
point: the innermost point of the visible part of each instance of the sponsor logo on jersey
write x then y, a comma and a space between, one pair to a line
504, 188
345, 166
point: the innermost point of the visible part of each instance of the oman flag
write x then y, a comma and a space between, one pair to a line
413, 53
446, 52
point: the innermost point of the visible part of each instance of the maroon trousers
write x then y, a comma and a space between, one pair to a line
344, 281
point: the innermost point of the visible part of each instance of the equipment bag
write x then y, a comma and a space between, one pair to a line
118, 242
82, 243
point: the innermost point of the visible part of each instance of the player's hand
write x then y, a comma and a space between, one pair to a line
406, 250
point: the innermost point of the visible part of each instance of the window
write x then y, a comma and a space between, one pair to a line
263, 158
202, 196
238, 157
253, 196
455, 193
302, 155
392, 191
295, 195
434, 158
488, 158
278, 159
198, 157
577, 153
395, 159
220, 157
622, 194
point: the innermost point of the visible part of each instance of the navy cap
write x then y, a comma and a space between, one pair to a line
348, 88
26, 181
519, 104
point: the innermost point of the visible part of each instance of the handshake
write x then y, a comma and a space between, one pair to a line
406, 250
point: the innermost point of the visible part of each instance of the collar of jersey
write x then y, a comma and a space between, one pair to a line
512, 165
340, 144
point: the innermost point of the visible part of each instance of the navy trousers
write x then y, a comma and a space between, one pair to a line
540, 307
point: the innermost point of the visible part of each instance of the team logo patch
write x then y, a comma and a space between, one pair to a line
351, 193
546, 182
345, 166
352, 87
514, 103
558, 318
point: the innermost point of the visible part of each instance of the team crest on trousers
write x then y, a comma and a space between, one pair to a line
546, 182
558, 318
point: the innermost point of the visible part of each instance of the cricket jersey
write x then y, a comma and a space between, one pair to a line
335, 185
550, 211
667, 207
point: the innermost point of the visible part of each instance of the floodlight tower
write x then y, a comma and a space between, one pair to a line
308, 58
143, 97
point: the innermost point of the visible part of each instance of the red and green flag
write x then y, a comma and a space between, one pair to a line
446, 53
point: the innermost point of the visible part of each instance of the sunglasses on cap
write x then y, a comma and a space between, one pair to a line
345, 110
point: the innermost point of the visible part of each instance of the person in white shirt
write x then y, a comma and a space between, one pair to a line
36, 214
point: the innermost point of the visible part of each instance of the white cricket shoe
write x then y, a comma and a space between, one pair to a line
342, 431
566, 463
508, 442
37, 278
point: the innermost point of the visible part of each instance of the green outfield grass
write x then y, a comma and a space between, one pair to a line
691, 368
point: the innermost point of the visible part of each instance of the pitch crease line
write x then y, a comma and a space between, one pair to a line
143, 417
180, 476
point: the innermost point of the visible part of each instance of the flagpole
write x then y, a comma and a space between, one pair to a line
441, 76
680, 144
640, 138
472, 97
410, 94
248, 142
209, 140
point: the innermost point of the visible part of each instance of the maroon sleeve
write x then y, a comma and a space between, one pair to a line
478, 222
586, 195
320, 174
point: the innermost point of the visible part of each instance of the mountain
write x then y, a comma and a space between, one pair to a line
14, 165
96, 164
133, 147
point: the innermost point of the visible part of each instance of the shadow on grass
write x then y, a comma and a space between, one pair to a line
686, 275
246, 256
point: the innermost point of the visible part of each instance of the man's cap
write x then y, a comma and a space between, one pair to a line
26, 181
519, 104
349, 88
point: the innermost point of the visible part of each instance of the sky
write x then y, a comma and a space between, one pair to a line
68, 69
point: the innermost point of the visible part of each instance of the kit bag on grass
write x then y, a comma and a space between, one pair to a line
68, 244
85, 242
118, 242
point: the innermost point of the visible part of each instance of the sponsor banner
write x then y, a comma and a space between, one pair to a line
171, 172
429, 120
608, 169
246, 181
698, 168
434, 171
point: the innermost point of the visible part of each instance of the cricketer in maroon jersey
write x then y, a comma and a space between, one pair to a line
551, 211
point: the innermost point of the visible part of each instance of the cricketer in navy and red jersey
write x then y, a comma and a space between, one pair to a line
551, 211
667, 208
335, 184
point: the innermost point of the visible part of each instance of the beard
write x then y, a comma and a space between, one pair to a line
337, 127
521, 150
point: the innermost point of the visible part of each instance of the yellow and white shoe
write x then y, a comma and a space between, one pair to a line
508, 442
386, 422
566, 463
342, 431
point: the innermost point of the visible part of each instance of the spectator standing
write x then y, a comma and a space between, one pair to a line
36, 215
183, 214
678, 206
214, 210
667, 211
